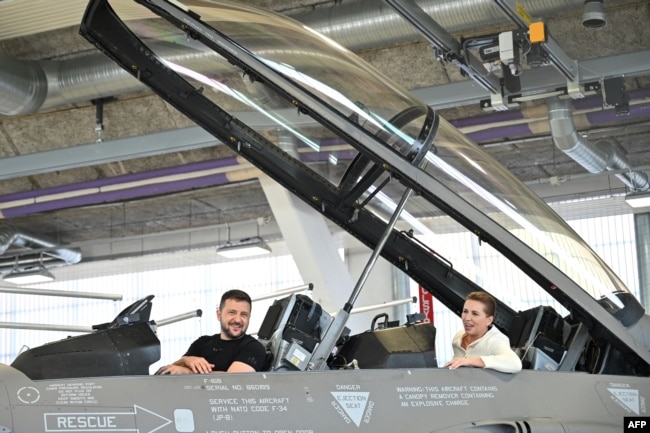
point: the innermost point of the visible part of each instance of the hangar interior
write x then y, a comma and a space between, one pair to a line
91, 159
71, 118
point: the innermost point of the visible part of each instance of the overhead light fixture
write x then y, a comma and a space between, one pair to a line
248, 247
29, 276
638, 199
593, 15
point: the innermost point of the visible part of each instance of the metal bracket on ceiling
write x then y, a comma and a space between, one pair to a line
504, 92
447, 47
520, 17
542, 49
573, 86
614, 95
99, 115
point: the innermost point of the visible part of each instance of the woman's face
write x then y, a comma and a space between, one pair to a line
475, 321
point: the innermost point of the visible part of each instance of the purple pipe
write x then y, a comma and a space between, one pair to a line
504, 132
500, 133
496, 133
117, 180
594, 118
597, 117
104, 197
486, 119
139, 191
597, 101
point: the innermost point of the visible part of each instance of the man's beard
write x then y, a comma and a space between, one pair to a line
226, 330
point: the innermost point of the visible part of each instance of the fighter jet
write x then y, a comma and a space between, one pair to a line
377, 161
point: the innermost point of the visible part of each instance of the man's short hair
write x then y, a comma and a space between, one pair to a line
237, 295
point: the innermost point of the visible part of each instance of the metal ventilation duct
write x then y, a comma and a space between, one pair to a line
26, 87
598, 158
10, 236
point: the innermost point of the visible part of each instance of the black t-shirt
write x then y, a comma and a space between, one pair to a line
222, 353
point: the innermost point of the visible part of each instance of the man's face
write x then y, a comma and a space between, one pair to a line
234, 318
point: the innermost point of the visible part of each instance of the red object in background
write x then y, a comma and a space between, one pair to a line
426, 304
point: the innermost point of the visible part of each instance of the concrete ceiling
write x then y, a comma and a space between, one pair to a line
57, 146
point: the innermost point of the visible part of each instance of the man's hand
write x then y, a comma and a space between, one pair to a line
187, 365
196, 364
173, 369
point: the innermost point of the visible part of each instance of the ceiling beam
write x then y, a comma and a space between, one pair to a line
534, 81
539, 81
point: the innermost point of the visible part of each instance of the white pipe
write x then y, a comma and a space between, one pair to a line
178, 318
383, 305
67, 294
284, 292
88, 329
45, 327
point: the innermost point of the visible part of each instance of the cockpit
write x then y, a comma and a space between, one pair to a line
295, 326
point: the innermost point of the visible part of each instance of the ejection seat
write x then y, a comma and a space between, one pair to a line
389, 346
291, 330
537, 336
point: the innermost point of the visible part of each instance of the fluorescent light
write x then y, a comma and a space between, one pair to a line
29, 276
244, 248
638, 200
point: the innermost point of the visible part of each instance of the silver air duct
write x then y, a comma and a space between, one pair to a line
10, 236
83, 79
596, 159
364, 24
23, 86
26, 87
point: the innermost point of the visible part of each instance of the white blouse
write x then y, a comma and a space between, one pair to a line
493, 348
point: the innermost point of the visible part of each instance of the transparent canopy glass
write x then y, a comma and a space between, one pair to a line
374, 104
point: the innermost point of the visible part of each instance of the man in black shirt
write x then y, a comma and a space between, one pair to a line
230, 351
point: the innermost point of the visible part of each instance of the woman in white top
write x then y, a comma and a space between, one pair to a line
480, 344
